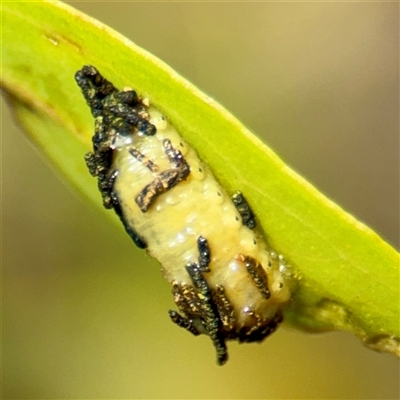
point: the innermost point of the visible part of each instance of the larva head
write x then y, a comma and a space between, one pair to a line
118, 114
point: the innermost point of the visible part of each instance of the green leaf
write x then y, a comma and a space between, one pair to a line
346, 277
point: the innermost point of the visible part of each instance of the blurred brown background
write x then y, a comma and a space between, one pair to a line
319, 83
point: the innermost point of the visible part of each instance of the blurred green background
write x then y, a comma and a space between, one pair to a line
85, 312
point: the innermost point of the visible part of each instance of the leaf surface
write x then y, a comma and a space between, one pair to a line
347, 276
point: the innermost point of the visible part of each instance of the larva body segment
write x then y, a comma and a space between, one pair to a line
226, 281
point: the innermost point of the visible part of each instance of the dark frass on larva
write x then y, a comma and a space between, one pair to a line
225, 281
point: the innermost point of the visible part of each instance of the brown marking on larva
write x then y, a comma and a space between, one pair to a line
257, 273
225, 309
183, 322
175, 157
260, 328
185, 297
210, 314
166, 180
244, 210
204, 254
118, 210
143, 159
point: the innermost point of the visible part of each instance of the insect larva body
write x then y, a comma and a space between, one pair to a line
225, 282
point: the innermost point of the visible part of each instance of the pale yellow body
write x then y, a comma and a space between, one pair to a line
198, 206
